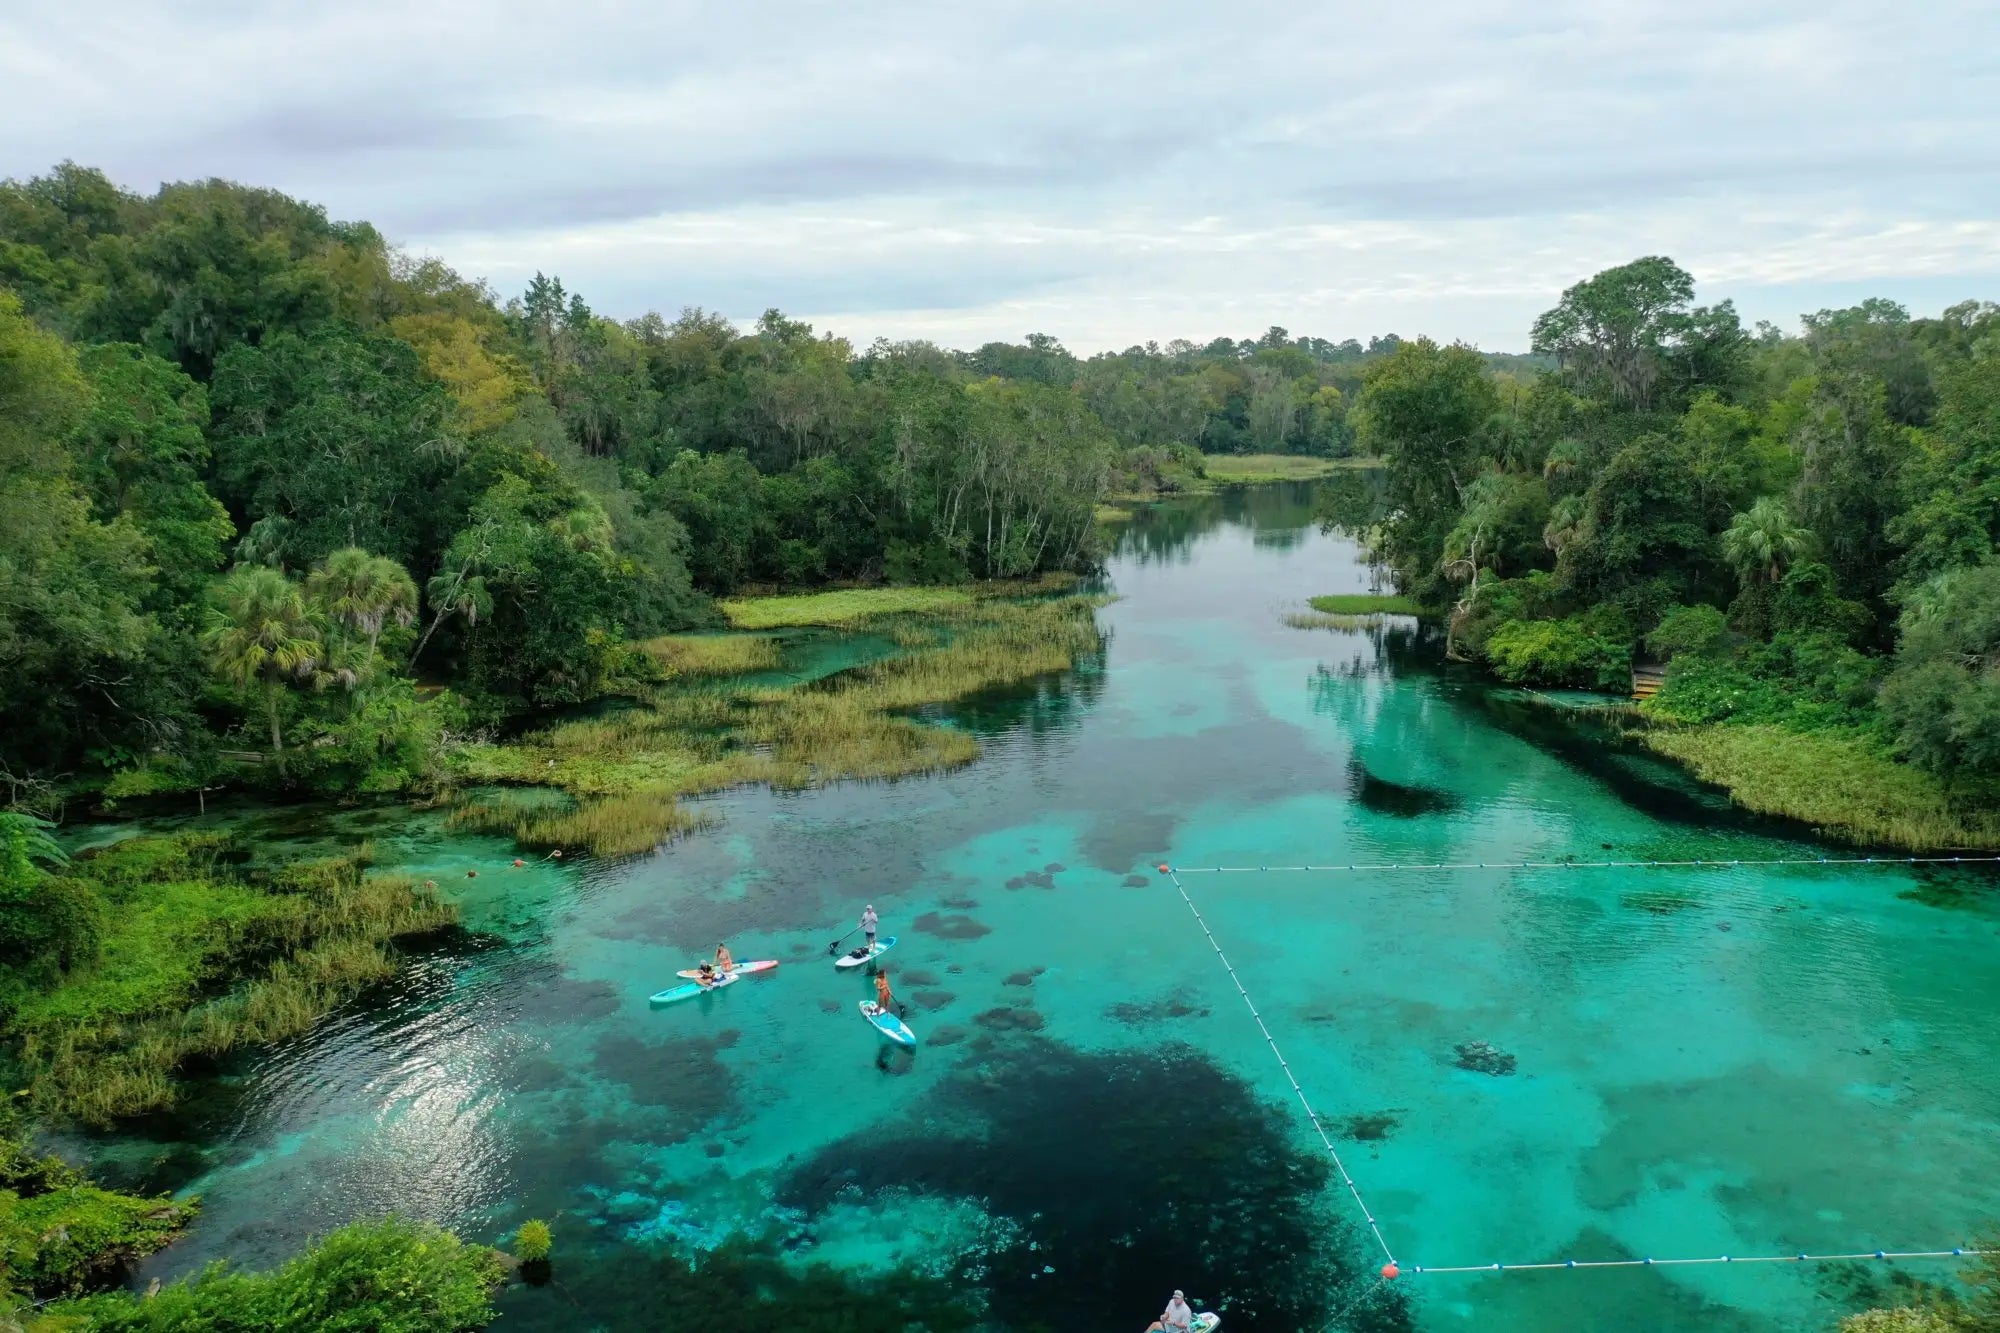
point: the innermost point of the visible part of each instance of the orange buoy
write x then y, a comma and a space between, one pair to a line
518, 863
1163, 867
1390, 1271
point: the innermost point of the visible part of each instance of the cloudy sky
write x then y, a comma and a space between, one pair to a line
1106, 172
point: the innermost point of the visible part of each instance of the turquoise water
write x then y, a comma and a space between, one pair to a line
1740, 1061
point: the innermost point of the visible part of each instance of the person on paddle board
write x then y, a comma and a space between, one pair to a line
1178, 1318
723, 962
884, 1000
706, 974
868, 923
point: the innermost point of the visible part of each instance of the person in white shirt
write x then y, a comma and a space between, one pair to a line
868, 923
1178, 1318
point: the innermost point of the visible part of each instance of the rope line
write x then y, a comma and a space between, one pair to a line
1311, 1114
1606, 865
1174, 874
1957, 1253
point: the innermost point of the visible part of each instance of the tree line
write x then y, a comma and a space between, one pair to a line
1800, 528
264, 479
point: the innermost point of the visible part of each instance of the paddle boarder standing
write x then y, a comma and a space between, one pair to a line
868, 923
884, 1000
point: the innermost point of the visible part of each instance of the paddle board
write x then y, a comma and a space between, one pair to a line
692, 989
762, 965
856, 957
890, 1026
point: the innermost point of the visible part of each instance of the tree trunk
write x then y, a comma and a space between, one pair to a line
277, 738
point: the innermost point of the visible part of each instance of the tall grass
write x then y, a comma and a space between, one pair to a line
1845, 786
222, 965
1365, 603
626, 773
682, 656
843, 606
1256, 469
1322, 620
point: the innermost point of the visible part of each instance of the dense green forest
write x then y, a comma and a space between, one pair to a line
266, 479
1801, 530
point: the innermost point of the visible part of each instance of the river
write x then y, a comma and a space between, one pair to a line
1741, 1061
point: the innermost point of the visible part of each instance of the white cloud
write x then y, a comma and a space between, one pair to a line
1109, 173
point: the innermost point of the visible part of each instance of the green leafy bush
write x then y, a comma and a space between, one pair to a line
61, 1235
1689, 631
1801, 681
390, 1276
1586, 650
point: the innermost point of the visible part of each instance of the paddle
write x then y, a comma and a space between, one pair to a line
834, 947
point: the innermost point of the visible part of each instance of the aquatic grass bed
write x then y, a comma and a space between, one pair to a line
845, 606
1322, 620
1259, 469
629, 772
193, 958
681, 656
1844, 785
842, 607
1365, 603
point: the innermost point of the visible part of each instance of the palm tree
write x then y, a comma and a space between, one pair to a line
362, 593
260, 633
24, 840
1763, 540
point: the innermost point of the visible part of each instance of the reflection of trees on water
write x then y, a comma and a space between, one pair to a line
1394, 647
1036, 711
1351, 501
1279, 516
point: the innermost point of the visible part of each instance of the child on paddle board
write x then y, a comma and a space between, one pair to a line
723, 962
868, 923
883, 999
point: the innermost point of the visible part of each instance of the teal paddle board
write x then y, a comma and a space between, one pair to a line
886, 1023
761, 965
692, 989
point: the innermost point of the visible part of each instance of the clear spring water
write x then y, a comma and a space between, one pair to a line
1746, 1061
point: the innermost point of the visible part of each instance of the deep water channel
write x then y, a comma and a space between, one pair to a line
1730, 1061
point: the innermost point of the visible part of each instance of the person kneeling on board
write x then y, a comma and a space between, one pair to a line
723, 962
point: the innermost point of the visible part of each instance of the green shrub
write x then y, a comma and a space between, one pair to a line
1806, 682
1689, 631
532, 1241
390, 1276
1577, 650
61, 1235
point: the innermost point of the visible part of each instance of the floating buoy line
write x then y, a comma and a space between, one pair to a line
1391, 1269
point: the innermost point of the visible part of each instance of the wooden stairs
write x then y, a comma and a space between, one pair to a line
1647, 677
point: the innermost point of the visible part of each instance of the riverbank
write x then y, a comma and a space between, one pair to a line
1843, 786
